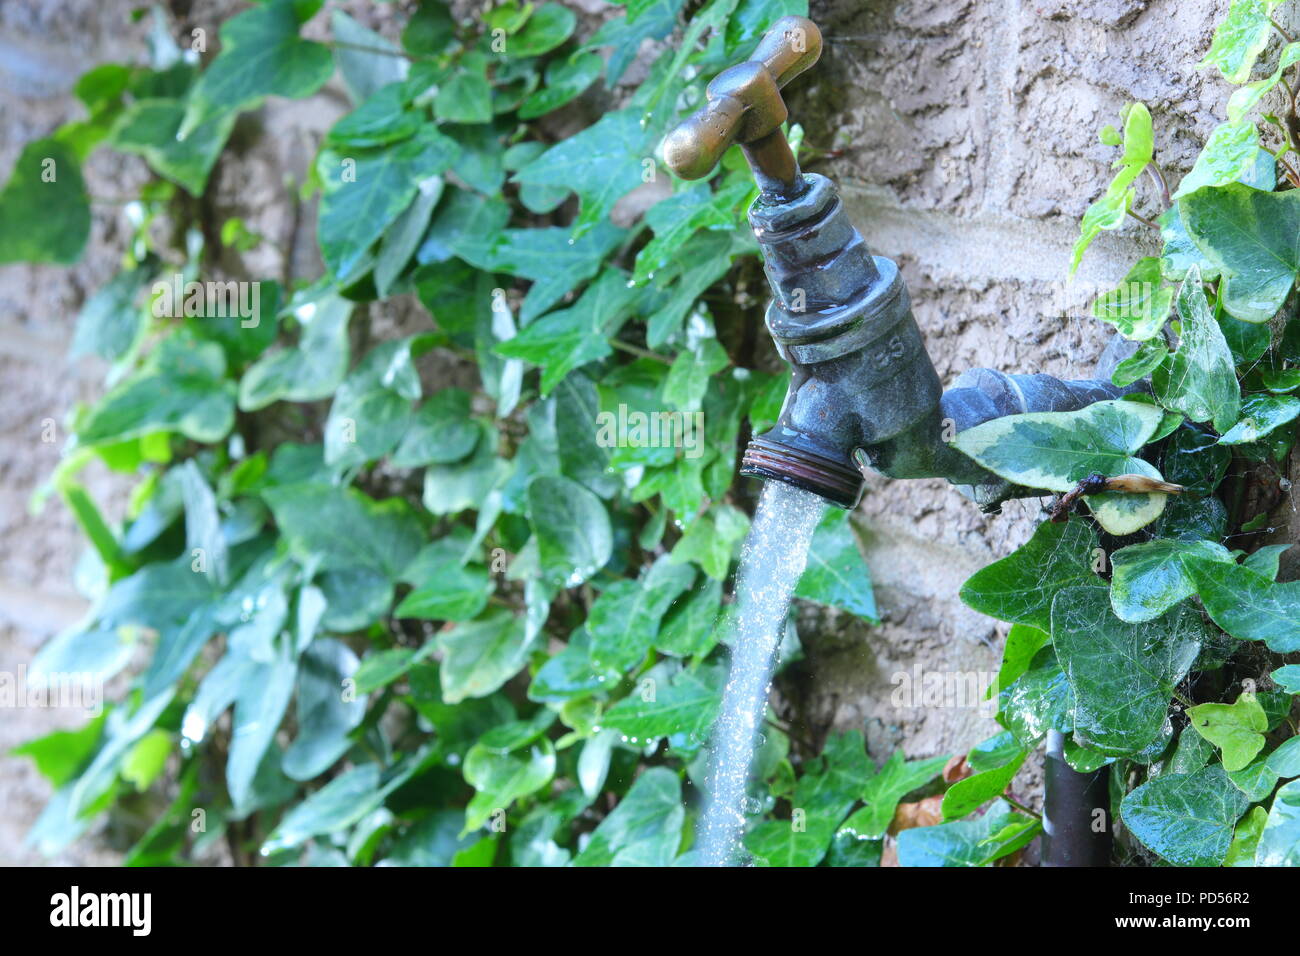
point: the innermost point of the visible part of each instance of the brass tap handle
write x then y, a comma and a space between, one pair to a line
745, 107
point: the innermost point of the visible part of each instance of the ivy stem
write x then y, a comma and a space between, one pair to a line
1159, 179
1282, 30
1021, 807
637, 350
378, 51
1144, 220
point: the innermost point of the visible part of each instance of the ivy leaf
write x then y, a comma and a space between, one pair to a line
1287, 677
446, 588
440, 431
367, 60
1249, 605
363, 195
1020, 587
677, 219
565, 80
574, 538
687, 628
896, 778
260, 704
111, 321
549, 26
501, 779
1285, 760
1261, 415
340, 803
1109, 211
1148, 578
325, 717
1241, 38
645, 19
1279, 843
645, 828
1244, 100
1245, 838
44, 212
837, 575
625, 618
466, 96
1229, 154
1201, 379
261, 55
712, 539
977, 842
601, 164
688, 379
372, 407
1005, 755
330, 527
547, 256
1251, 235
572, 337
1140, 306
382, 118
309, 371
1236, 729
479, 656
1123, 675
1056, 450
451, 488
782, 843
1187, 819
182, 388
686, 704
149, 128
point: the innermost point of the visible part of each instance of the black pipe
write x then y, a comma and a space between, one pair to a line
1076, 811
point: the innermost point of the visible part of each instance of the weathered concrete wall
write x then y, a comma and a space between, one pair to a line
968, 138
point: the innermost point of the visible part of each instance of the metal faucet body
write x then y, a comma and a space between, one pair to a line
864, 391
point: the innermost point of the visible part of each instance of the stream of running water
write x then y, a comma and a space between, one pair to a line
771, 564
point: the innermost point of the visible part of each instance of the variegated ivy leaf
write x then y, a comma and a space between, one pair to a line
1108, 212
1253, 236
1200, 380
1149, 578
1229, 155
1241, 38
1140, 305
1244, 99
1056, 450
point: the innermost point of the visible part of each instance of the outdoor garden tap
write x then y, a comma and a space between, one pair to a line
864, 391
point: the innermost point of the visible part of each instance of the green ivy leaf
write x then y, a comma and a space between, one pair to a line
645, 829
479, 656
1140, 306
1201, 379
978, 842
601, 164
624, 620
261, 55
1240, 38
645, 19
1005, 755
1109, 211
1148, 578
1236, 729
1020, 587
339, 804
1187, 819
363, 195
1279, 842
549, 26
677, 219
1285, 760
260, 704
1250, 234
896, 778
44, 212
181, 388
309, 371
501, 779
712, 539
446, 588
325, 716
149, 129
1249, 605
1261, 415
1246, 838
565, 80
466, 96
574, 538
111, 322
1123, 674
836, 574
686, 704
1229, 155
572, 337
555, 262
